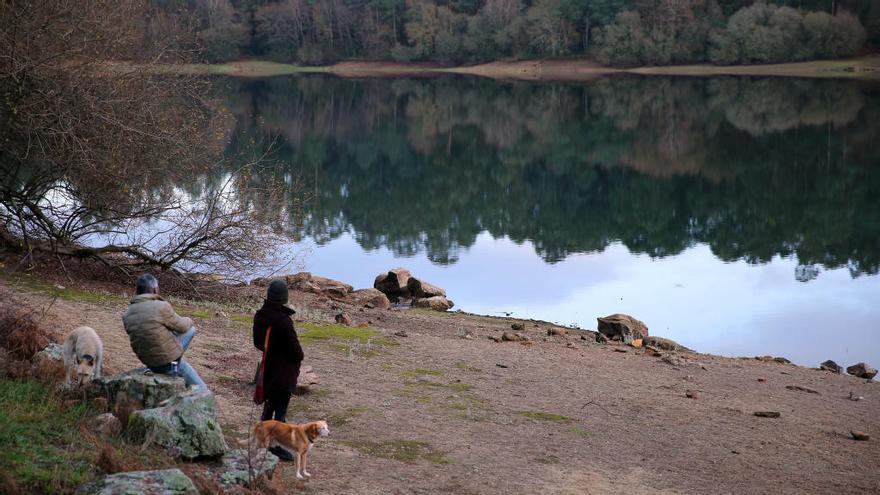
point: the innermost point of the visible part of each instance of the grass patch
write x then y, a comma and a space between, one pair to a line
466, 367
246, 319
197, 313
310, 333
418, 372
408, 451
547, 459
577, 430
455, 387
28, 282
345, 416
544, 416
41, 447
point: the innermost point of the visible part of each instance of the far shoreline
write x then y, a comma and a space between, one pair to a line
865, 68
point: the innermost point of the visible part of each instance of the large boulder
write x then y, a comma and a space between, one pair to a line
661, 343
186, 425
420, 289
831, 366
160, 482
306, 282
437, 303
370, 298
622, 327
862, 370
136, 388
393, 283
241, 466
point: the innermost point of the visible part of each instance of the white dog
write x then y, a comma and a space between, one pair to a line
83, 355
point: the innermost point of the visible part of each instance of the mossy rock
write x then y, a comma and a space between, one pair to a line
161, 482
186, 426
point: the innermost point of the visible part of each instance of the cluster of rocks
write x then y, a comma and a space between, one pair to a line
395, 286
861, 370
399, 286
162, 411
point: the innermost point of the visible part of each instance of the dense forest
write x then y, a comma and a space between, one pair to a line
617, 32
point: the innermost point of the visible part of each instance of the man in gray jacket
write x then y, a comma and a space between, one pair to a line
158, 335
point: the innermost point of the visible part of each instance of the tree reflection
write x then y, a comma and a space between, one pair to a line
752, 167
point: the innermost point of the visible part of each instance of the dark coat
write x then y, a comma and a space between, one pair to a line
285, 353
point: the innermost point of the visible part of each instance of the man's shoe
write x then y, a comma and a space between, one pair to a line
282, 453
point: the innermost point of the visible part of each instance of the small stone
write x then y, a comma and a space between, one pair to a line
343, 319
221, 314
691, 394
556, 331
571, 345
501, 365
495, 338
862, 370
511, 337
601, 339
831, 366
618, 349
650, 351
107, 425
860, 435
801, 389
781, 360
517, 326
762, 380
673, 360
401, 333
767, 414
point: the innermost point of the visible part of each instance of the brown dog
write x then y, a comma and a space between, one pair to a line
295, 439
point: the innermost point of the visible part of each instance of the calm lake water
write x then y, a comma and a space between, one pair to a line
738, 216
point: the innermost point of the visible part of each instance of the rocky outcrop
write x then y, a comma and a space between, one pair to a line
394, 284
370, 298
186, 425
661, 343
241, 467
420, 290
862, 370
831, 366
399, 285
135, 388
160, 482
437, 303
306, 282
622, 327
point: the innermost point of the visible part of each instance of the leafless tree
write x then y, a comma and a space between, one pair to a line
98, 144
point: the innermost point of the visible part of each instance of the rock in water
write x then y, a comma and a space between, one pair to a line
186, 425
831, 366
622, 327
437, 303
161, 482
135, 387
862, 370
240, 467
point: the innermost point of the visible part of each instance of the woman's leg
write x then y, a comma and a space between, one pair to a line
281, 403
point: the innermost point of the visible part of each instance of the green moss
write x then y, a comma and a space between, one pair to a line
340, 418
458, 406
245, 319
418, 372
399, 450
466, 367
41, 447
455, 386
547, 459
196, 313
544, 416
318, 332
29, 283
577, 430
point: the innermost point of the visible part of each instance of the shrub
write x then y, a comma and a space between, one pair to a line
20, 334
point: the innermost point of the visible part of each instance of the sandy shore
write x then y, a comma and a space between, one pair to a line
867, 67
446, 409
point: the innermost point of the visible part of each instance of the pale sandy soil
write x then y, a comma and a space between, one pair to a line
562, 416
866, 67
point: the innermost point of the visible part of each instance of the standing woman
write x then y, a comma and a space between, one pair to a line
284, 355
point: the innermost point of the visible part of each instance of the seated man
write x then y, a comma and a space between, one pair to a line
158, 335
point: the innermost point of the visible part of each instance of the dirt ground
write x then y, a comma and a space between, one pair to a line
436, 412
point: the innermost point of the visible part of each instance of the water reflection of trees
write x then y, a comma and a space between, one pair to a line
754, 168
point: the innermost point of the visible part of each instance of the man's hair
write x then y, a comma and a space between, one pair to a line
146, 284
